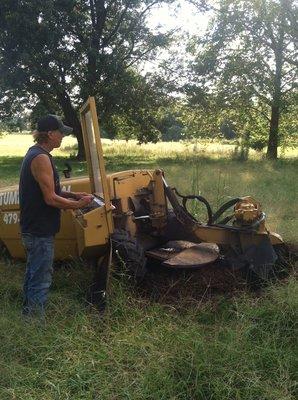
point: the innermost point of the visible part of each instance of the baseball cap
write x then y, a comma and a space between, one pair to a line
51, 123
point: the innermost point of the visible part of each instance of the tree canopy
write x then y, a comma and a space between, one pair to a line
239, 79
246, 65
57, 53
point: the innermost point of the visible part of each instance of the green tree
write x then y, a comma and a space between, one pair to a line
57, 53
248, 58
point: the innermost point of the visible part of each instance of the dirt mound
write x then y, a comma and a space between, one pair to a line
172, 286
184, 286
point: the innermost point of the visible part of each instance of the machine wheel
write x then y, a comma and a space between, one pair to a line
127, 251
259, 277
4, 253
285, 261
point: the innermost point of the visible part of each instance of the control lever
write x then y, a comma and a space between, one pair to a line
67, 170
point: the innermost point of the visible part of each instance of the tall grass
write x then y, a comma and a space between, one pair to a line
237, 348
17, 144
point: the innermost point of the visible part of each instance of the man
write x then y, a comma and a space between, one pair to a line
41, 200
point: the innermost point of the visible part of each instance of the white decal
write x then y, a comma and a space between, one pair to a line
8, 198
11, 218
12, 197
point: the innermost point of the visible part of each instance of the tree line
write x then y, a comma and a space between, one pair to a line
238, 80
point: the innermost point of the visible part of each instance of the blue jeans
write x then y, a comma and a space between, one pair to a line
39, 270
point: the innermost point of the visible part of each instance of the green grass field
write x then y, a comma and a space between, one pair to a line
207, 169
238, 345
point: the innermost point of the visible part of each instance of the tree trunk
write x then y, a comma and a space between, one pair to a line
278, 49
73, 120
273, 133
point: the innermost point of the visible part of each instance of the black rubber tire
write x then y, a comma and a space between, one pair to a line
255, 280
4, 253
285, 261
127, 251
279, 270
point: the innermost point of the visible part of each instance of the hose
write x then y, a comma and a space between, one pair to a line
211, 217
198, 198
244, 228
224, 207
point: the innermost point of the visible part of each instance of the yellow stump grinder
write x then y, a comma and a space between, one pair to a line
144, 220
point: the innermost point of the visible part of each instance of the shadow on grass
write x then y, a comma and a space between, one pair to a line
10, 168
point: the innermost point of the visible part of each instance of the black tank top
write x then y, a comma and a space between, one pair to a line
36, 216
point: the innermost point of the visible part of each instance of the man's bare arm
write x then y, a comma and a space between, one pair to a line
42, 171
73, 195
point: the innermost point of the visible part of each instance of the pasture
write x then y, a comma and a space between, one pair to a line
220, 346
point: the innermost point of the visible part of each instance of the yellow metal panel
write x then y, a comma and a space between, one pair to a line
66, 249
9, 224
91, 229
15, 248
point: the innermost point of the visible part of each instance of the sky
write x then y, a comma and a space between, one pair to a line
181, 15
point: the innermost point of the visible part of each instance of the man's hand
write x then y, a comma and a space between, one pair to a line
79, 195
74, 195
84, 200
